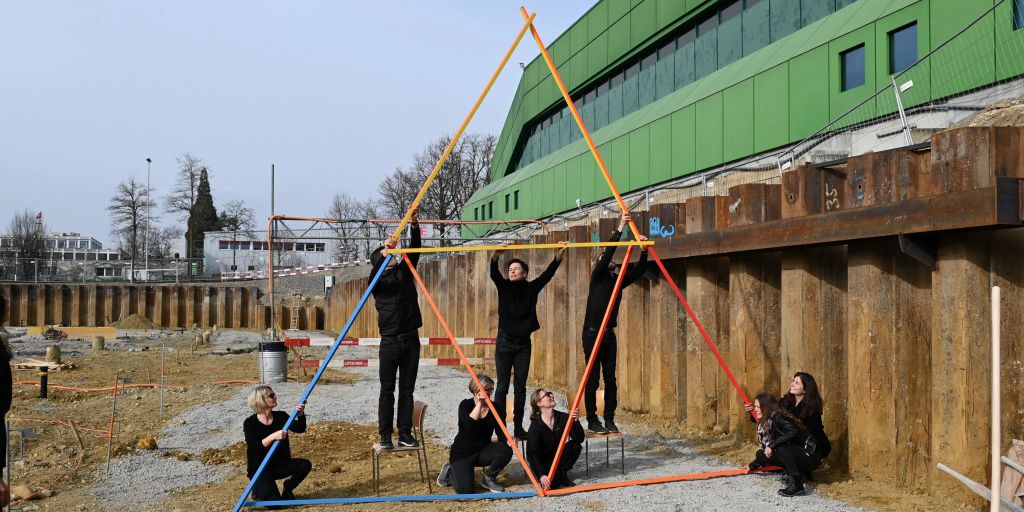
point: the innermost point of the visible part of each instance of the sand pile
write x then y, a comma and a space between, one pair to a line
135, 321
1003, 113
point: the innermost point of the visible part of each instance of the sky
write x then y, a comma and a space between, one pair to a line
334, 94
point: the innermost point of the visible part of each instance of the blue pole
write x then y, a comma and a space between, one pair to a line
312, 383
391, 499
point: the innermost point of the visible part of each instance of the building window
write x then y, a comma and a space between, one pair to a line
851, 63
902, 48
490, 209
476, 213
508, 203
1018, 14
515, 199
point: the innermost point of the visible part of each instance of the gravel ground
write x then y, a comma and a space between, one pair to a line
141, 480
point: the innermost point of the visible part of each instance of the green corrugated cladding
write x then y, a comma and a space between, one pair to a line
766, 98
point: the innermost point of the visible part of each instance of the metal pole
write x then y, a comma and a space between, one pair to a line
903, 114
997, 436
163, 350
113, 411
149, 211
270, 260
36, 264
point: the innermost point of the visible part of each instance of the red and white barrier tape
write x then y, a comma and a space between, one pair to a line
368, 363
295, 271
367, 342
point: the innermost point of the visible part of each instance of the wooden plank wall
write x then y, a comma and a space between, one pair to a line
171, 306
898, 346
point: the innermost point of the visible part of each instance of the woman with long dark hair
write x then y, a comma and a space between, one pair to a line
805, 402
783, 438
546, 427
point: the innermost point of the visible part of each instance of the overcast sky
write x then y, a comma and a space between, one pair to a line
336, 94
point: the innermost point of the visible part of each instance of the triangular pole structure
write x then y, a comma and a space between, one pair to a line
636, 233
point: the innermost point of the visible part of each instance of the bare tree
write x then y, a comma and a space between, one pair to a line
128, 208
161, 240
466, 170
240, 220
347, 207
28, 239
186, 186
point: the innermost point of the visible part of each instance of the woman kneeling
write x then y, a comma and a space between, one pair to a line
472, 447
783, 438
261, 430
546, 428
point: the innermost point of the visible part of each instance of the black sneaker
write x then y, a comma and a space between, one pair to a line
386, 444
753, 465
444, 478
611, 426
288, 495
520, 433
406, 439
491, 484
797, 489
596, 427
563, 481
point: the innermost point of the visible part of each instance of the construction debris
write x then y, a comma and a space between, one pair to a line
35, 364
146, 443
135, 321
54, 334
53, 353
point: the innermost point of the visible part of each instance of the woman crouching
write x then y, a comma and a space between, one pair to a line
782, 437
546, 428
261, 430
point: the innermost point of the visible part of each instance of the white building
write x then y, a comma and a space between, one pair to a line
247, 250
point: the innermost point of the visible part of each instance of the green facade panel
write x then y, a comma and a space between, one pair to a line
808, 93
730, 41
756, 27
597, 54
588, 176
842, 101
573, 188
771, 108
973, 52
738, 121
643, 22
619, 165
597, 20
665, 81
669, 11
813, 10
639, 159
661, 150
617, 9
685, 64
706, 53
709, 131
647, 85
920, 73
1010, 59
684, 140
618, 39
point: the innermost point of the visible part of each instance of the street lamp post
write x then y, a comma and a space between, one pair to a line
149, 201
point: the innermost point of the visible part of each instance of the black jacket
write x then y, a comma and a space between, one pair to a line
785, 432
602, 283
398, 308
517, 300
542, 442
255, 432
815, 427
474, 435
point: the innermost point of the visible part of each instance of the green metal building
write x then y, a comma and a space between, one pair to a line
669, 88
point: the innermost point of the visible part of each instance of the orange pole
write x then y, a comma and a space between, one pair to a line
593, 357
458, 134
661, 480
579, 120
465, 362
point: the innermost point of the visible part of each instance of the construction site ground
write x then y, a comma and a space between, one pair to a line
199, 459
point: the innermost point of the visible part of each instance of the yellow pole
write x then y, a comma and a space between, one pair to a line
579, 121
462, 128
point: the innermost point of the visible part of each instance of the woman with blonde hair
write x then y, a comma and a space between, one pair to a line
261, 430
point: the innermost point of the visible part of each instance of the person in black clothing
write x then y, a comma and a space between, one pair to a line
6, 395
398, 317
472, 447
602, 282
785, 437
805, 403
261, 430
763, 434
517, 319
546, 428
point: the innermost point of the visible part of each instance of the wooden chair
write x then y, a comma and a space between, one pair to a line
607, 437
419, 411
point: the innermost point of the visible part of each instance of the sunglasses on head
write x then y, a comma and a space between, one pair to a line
547, 393
272, 395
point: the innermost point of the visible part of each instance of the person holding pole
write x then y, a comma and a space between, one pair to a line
517, 319
473, 447
546, 427
261, 430
602, 282
399, 320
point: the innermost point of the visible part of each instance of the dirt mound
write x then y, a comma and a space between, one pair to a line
135, 321
234, 454
1004, 113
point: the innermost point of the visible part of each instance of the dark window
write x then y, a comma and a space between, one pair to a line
590, 98
1018, 14
649, 61
490, 209
902, 48
515, 199
224, 245
667, 50
686, 38
602, 89
851, 63
730, 11
632, 70
508, 203
708, 25
617, 80
476, 213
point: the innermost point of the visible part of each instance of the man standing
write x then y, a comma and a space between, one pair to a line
602, 281
399, 320
517, 319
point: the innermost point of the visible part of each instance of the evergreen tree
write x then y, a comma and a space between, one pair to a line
202, 217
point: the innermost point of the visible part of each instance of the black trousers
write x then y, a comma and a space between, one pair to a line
795, 460
765, 460
494, 457
295, 470
605, 364
570, 455
512, 355
398, 355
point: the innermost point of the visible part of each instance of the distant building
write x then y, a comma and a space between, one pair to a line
247, 250
63, 248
